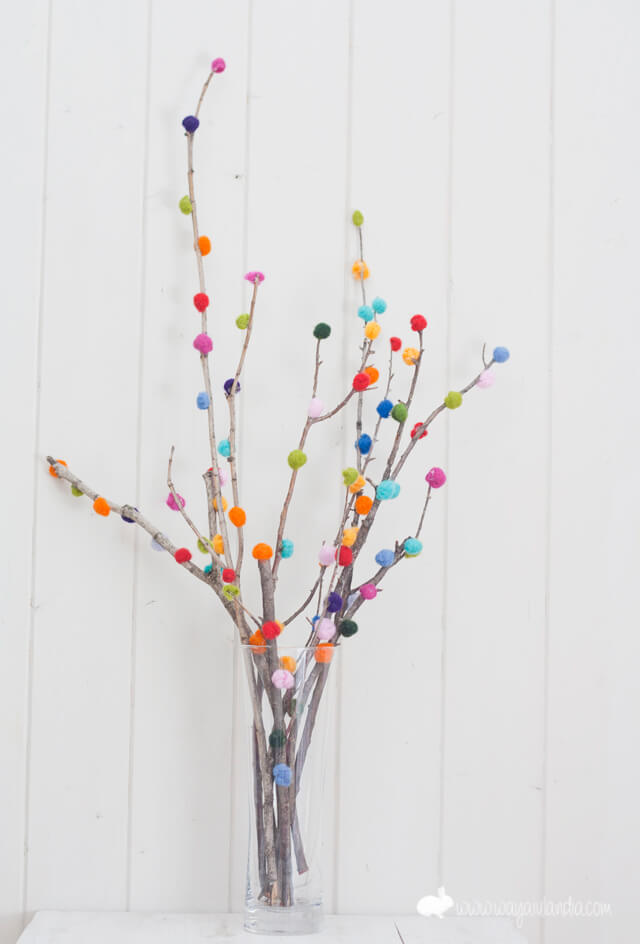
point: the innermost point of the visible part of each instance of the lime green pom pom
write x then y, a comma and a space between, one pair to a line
230, 591
453, 400
400, 412
358, 218
202, 547
349, 476
242, 321
185, 205
75, 491
296, 459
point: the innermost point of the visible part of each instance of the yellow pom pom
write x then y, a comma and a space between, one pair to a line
218, 544
372, 330
349, 536
410, 356
224, 503
358, 485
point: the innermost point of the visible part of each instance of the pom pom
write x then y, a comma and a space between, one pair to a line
101, 507
368, 591
237, 516
372, 373
360, 269
501, 354
271, 629
410, 356
316, 408
325, 630
254, 277
182, 555
321, 331
327, 555
349, 475
334, 602
53, 472
348, 628
400, 412
218, 544
486, 379
396, 343
224, 448
364, 444
262, 552
365, 312
296, 458
282, 775
385, 558
372, 330
384, 408
363, 504
201, 301
203, 343
155, 546
379, 306
204, 245
358, 485
242, 322
126, 517
190, 124
412, 547
202, 547
230, 591
453, 400
171, 502
202, 400
361, 382
324, 652
349, 536
282, 678
418, 323
387, 489
344, 556
286, 548
257, 642
288, 663
224, 503
435, 477
277, 738
218, 65
416, 428
185, 205
357, 218
228, 575
228, 384
75, 491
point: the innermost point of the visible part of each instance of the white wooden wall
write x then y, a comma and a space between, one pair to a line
493, 147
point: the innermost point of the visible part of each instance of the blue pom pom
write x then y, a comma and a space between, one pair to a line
364, 444
314, 620
282, 775
224, 448
387, 489
384, 408
412, 547
286, 548
500, 354
125, 518
365, 312
202, 401
379, 305
385, 558
334, 603
208, 568
228, 384
190, 124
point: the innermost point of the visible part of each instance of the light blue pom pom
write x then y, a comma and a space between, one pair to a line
412, 547
224, 447
385, 558
156, 546
500, 354
286, 548
379, 305
365, 312
364, 444
384, 408
203, 401
282, 775
387, 489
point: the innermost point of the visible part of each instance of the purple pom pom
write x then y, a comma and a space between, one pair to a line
190, 124
334, 603
228, 384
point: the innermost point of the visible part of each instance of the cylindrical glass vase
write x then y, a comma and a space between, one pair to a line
289, 701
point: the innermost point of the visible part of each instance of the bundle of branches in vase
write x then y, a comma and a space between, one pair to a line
287, 686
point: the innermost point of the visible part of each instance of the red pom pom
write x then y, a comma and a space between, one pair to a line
201, 301
418, 323
271, 630
345, 556
416, 428
361, 381
182, 555
228, 575
396, 344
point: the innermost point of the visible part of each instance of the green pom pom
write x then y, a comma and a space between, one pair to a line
321, 331
348, 628
291, 710
358, 218
349, 476
242, 322
185, 205
230, 591
202, 547
277, 738
75, 491
296, 459
453, 400
400, 412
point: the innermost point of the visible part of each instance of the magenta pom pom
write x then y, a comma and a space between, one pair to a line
369, 591
435, 477
486, 379
203, 343
218, 65
173, 504
327, 555
316, 408
325, 630
254, 277
282, 678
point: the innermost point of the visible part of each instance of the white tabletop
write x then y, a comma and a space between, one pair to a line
78, 927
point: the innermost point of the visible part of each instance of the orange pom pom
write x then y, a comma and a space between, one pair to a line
373, 373
363, 504
372, 330
288, 663
52, 471
257, 642
358, 485
218, 544
324, 652
262, 552
101, 507
360, 269
349, 536
205, 245
237, 516
224, 503
410, 356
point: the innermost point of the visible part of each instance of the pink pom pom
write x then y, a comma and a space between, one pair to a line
254, 277
327, 555
325, 630
316, 408
486, 379
282, 678
369, 591
203, 343
173, 505
435, 477
218, 65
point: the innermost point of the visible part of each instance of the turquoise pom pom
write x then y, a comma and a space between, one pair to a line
412, 547
208, 568
365, 312
379, 306
384, 408
387, 489
224, 448
202, 401
385, 558
286, 548
501, 354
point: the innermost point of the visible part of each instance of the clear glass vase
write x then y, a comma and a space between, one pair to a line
289, 701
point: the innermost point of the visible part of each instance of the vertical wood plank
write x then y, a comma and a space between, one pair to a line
83, 595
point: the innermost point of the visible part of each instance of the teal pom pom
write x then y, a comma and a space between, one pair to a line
412, 547
387, 489
286, 548
224, 448
321, 331
400, 412
282, 775
384, 408
348, 628
277, 738
365, 312
202, 401
208, 568
385, 558
501, 354
379, 306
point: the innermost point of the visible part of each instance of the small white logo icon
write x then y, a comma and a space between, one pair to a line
435, 905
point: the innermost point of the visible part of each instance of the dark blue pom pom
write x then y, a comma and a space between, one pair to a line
190, 124
125, 518
334, 603
384, 408
364, 444
228, 384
